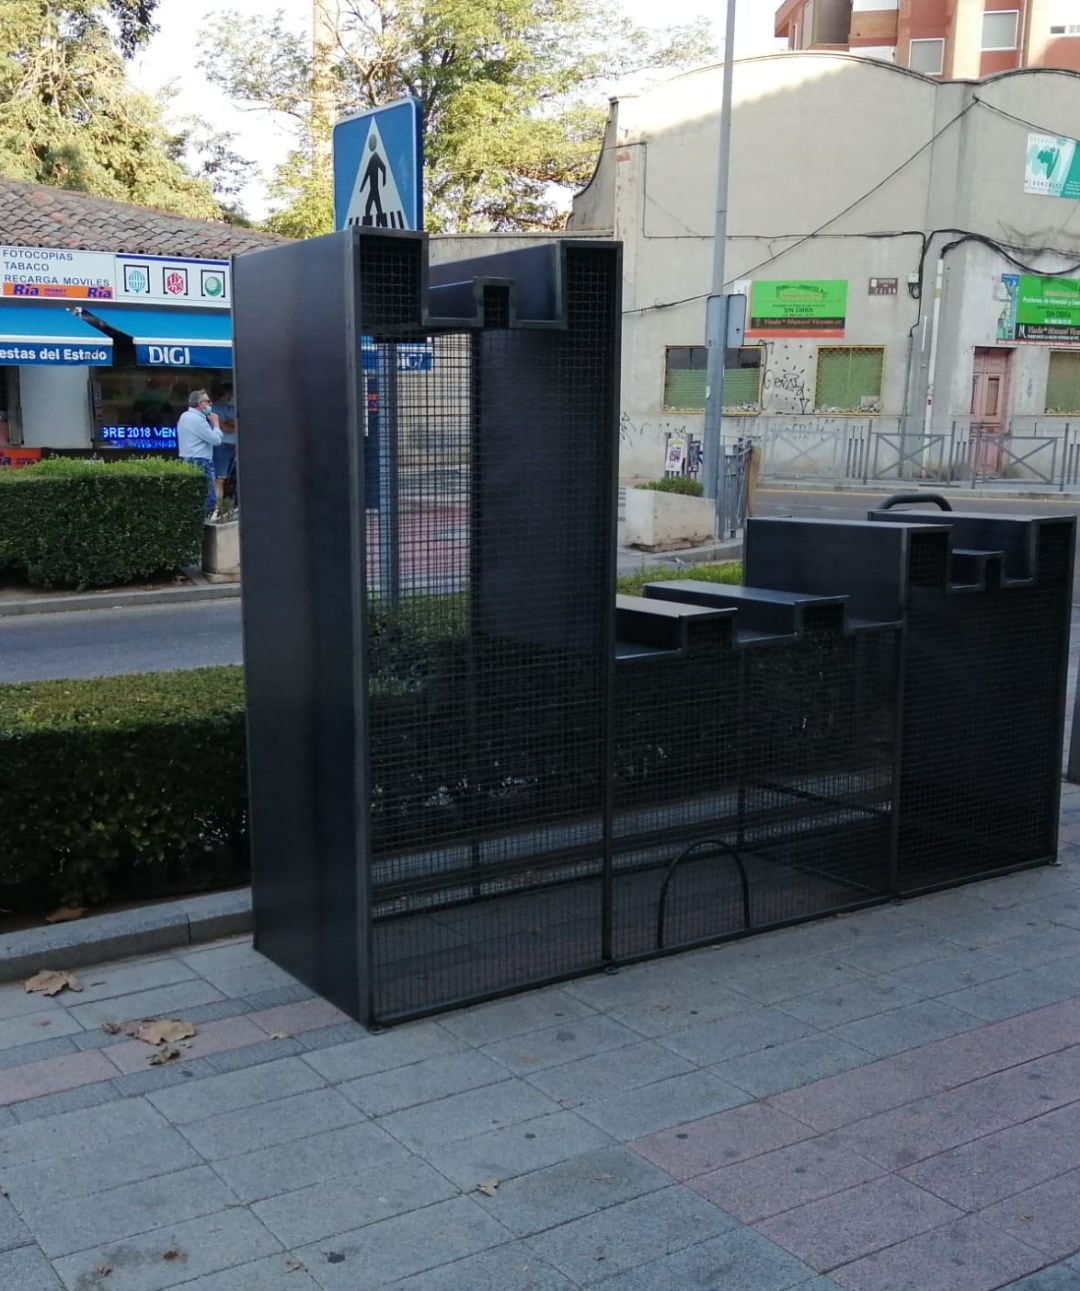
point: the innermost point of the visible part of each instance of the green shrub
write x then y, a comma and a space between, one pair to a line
673, 484
729, 572
121, 788
76, 523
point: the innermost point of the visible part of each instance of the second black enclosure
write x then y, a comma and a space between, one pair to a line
472, 769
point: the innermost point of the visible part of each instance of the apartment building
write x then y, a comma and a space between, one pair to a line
951, 39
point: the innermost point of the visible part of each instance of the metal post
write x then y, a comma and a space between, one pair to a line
939, 284
716, 311
389, 534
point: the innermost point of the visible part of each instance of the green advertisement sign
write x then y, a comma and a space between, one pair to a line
1048, 309
814, 307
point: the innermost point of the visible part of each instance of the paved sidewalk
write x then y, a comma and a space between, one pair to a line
888, 1101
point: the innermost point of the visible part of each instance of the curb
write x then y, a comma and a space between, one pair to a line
128, 932
631, 560
120, 600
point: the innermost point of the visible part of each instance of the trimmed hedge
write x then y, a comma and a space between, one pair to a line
121, 788
728, 571
674, 484
79, 523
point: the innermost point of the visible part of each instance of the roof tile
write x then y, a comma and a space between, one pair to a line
36, 215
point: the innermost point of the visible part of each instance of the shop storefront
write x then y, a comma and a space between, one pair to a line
161, 356
100, 349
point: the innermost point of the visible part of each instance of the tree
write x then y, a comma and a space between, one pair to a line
68, 115
210, 155
511, 92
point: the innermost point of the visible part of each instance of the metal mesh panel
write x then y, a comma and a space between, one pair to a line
982, 731
754, 786
488, 656
391, 274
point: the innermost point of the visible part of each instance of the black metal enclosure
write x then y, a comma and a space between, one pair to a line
473, 768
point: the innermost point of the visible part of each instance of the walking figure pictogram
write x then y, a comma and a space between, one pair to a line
373, 180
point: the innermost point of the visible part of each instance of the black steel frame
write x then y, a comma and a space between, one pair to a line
472, 768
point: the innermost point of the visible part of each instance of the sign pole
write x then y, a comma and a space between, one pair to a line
716, 311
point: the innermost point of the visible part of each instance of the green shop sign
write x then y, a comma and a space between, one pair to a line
1048, 309
811, 307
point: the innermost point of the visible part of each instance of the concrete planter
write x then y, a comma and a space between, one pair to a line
221, 551
667, 521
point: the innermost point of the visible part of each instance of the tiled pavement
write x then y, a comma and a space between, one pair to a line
884, 1102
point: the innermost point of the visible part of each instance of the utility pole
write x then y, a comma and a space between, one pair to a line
324, 16
716, 310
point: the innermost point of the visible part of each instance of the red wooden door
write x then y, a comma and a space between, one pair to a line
989, 407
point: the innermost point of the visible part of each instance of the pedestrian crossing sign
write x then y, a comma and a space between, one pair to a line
378, 168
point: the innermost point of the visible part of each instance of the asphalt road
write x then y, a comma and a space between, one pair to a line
96, 643
155, 638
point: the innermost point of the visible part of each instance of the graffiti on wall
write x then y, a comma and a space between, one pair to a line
787, 384
633, 430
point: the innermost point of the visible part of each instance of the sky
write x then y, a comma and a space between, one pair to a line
171, 63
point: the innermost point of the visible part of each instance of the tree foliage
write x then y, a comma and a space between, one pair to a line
512, 93
68, 115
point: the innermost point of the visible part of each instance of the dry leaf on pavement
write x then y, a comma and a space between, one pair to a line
164, 1031
293, 1266
163, 1056
50, 982
488, 1187
174, 1255
103, 1270
111, 1028
279, 1035
66, 914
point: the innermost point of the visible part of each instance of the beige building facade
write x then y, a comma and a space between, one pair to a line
856, 186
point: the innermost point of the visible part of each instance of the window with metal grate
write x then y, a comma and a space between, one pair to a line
685, 378
849, 378
1063, 382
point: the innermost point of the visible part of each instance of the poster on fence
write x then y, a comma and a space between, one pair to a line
676, 457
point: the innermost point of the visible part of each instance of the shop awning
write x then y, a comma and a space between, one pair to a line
170, 338
49, 336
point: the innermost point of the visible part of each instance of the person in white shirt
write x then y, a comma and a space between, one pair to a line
198, 433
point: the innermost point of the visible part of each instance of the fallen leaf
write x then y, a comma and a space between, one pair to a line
103, 1270
488, 1187
279, 1035
293, 1266
163, 1056
174, 1255
600, 1178
66, 914
50, 982
111, 1028
164, 1031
